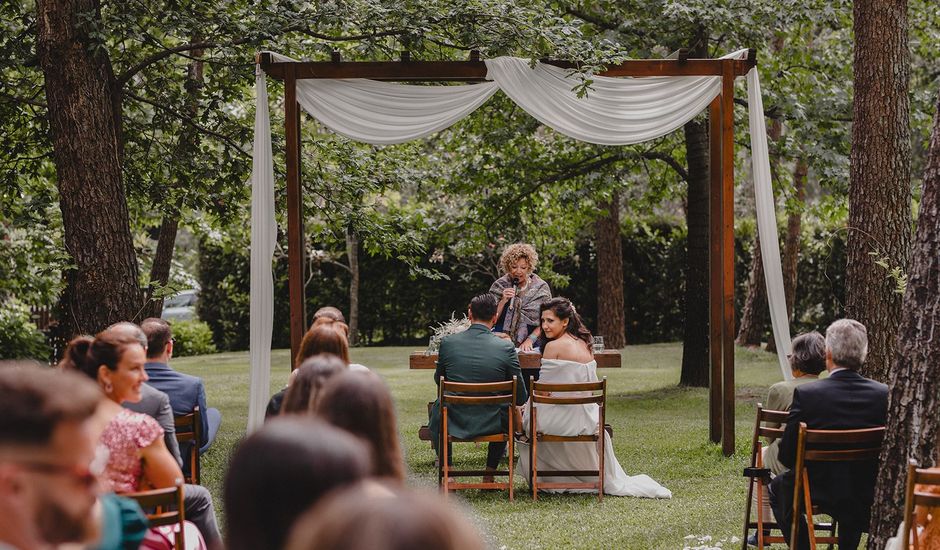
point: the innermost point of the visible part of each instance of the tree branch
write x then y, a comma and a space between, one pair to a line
668, 159
16, 99
125, 76
188, 120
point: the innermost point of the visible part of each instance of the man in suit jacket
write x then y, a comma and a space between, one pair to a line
185, 391
845, 400
476, 355
155, 404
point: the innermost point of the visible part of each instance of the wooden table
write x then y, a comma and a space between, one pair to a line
607, 359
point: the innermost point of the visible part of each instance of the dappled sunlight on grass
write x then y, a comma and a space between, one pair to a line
659, 429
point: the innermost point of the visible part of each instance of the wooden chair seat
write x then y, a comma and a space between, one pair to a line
769, 423
915, 496
482, 394
583, 393
164, 507
188, 435
826, 446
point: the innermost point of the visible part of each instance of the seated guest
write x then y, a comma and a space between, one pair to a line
280, 471
326, 339
477, 355
47, 449
355, 519
807, 360
137, 457
568, 358
328, 314
520, 293
925, 531
843, 401
307, 381
153, 402
185, 391
360, 403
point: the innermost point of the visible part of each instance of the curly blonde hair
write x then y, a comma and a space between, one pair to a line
518, 251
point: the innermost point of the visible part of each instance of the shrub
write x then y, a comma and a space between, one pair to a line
19, 337
191, 338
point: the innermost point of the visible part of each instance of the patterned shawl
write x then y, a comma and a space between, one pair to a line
525, 312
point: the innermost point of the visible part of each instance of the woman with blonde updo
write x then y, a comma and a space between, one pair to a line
520, 294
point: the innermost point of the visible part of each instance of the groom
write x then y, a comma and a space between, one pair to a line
476, 355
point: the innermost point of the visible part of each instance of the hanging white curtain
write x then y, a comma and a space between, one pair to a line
263, 238
767, 223
616, 111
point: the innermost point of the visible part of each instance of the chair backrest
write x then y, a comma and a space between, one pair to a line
590, 392
164, 507
839, 445
188, 434
484, 393
770, 416
913, 497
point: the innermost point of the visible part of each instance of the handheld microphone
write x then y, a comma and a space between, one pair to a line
515, 286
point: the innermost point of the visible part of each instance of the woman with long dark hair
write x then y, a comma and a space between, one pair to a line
567, 358
361, 404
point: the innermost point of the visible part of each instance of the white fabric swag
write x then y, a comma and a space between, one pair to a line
616, 111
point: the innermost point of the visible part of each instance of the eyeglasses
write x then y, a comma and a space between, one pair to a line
84, 475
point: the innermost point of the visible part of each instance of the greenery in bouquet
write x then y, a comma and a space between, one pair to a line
451, 326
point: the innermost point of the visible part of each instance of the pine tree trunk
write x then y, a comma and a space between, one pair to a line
610, 302
695, 370
754, 315
352, 252
880, 175
187, 148
791, 248
914, 399
79, 82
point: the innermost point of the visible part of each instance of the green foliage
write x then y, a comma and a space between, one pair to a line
192, 338
19, 337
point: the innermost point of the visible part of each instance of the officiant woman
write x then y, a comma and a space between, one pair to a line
520, 293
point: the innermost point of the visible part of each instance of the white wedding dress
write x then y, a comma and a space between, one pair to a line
579, 420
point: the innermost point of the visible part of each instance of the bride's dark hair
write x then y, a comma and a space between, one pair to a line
564, 309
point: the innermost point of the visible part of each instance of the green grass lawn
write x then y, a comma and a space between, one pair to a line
659, 429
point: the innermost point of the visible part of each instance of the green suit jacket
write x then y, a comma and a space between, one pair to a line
476, 355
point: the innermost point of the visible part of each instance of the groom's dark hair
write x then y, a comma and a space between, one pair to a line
483, 307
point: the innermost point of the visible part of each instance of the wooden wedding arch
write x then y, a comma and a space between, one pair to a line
721, 189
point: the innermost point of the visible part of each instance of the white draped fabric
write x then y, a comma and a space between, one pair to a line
263, 238
616, 111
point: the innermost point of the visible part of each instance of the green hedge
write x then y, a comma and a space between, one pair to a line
19, 337
397, 308
192, 338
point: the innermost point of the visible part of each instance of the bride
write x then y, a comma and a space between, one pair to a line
567, 358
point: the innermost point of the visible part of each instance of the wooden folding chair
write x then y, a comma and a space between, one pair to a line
913, 497
164, 507
547, 394
188, 432
860, 445
482, 394
756, 474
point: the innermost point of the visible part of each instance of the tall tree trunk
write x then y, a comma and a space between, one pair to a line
914, 398
186, 149
103, 287
610, 303
791, 247
695, 371
352, 252
695, 368
880, 175
754, 315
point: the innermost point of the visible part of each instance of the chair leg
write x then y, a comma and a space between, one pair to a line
533, 453
810, 522
512, 455
600, 464
445, 446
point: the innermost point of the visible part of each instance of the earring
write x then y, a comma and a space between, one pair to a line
108, 388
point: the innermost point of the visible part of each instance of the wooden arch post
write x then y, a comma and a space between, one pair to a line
721, 195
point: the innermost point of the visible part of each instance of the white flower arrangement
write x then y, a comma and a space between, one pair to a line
452, 326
